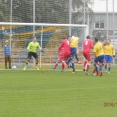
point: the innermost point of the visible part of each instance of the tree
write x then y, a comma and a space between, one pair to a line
4, 11
47, 11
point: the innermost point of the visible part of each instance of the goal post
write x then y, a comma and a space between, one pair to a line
48, 35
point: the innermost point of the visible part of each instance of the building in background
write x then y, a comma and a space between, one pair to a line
99, 26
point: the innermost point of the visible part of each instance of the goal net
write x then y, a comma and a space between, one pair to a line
48, 35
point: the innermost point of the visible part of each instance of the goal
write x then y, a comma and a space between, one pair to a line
48, 35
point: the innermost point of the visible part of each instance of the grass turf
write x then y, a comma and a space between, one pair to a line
57, 94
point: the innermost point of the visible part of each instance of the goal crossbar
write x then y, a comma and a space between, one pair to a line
42, 24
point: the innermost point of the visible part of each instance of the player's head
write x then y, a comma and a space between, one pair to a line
34, 39
64, 38
6, 42
69, 38
96, 39
108, 41
104, 43
88, 37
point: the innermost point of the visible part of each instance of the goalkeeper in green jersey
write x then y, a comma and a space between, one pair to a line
32, 47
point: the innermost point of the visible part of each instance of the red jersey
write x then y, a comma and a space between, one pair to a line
87, 44
65, 46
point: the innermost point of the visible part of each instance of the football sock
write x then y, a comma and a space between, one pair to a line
100, 68
69, 60
85, 62
36, 64
55, 65
93, 71
62, 65
76, 57
109, 69
26, 62
96, 68
88, 66
73, 66
105, 66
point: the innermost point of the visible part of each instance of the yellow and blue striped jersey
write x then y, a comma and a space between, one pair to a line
109, 50
98, 49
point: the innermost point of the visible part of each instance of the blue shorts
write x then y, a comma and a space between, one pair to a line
73, 51
108, 59
99, 59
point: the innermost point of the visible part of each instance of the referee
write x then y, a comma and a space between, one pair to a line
32, 47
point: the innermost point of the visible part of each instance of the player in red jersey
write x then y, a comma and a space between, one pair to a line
87, 46
64, 52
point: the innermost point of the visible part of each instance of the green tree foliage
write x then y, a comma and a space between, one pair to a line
46, 11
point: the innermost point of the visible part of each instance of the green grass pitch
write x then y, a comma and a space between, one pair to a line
42, 93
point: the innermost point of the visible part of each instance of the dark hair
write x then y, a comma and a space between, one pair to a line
96, 39
64, 38
88, 37
34, 37
69, 36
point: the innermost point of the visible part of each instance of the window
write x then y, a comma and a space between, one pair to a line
99, 25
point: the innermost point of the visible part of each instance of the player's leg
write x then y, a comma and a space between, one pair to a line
73, 52
71, 60
27, 60
78, 61
95, 65
94, 70
76, 57
63, 65
87, 66
101, 58
85, 61
106, 61
72, 64
61, 56
109, 63
9, 60
105, 67
64, 59
6, 59
36, 60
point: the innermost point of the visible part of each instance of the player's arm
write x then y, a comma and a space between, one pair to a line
77, 51
113, 51
4, 50
94, 51
91, 44
29, 45
59, 48
39, 47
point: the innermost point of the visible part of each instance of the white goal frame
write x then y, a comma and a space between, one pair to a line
86, 29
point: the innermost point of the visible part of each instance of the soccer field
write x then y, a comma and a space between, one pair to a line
34, 93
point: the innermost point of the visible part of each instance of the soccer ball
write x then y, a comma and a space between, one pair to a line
14, 67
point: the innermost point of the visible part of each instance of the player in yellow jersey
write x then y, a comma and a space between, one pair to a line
109, 52
73, 45
32, 47
99, 56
